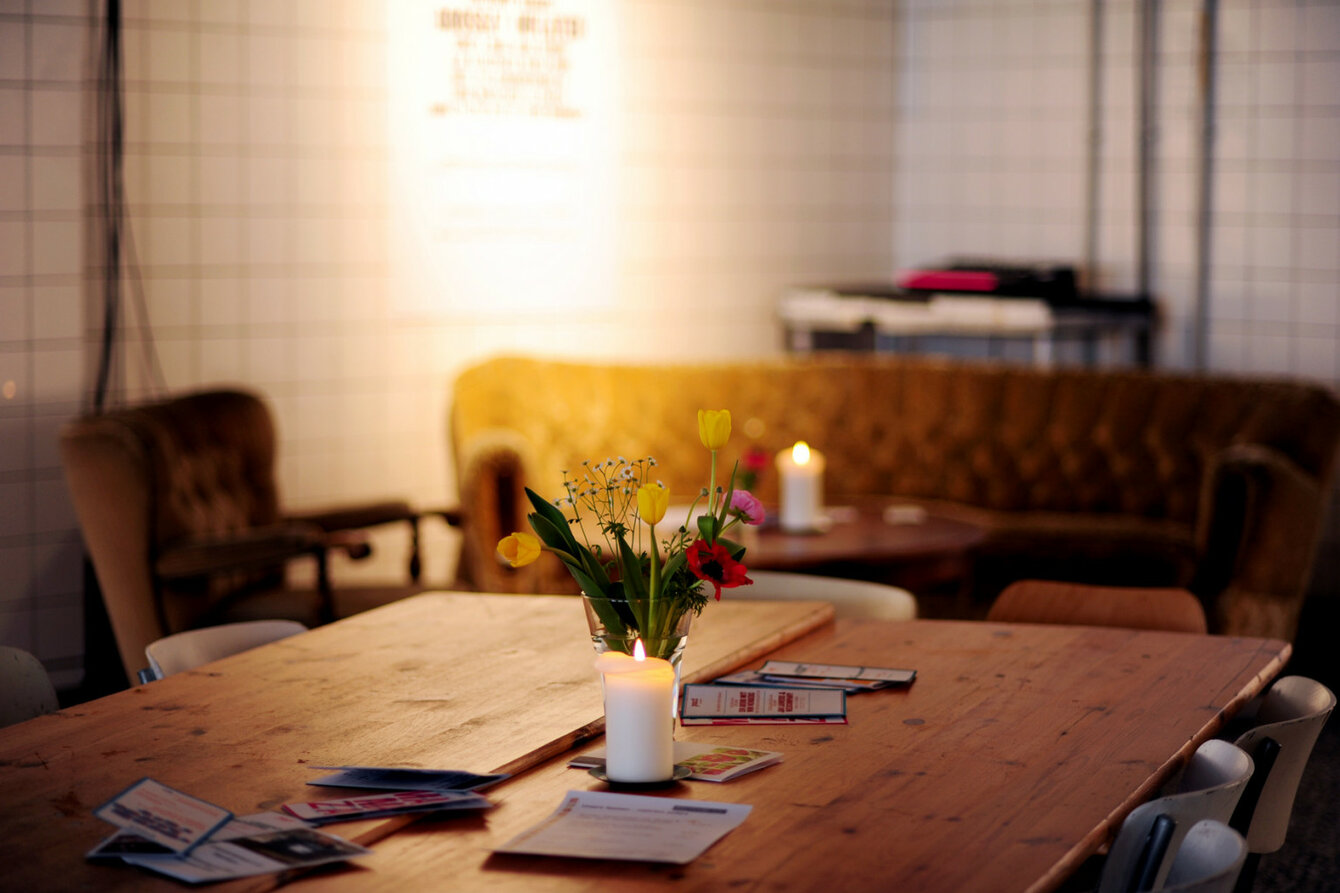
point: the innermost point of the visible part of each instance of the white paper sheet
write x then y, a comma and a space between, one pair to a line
606, 825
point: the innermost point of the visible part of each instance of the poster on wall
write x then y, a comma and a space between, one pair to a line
502, 156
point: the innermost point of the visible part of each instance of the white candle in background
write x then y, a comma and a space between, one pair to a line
639, 727
800, 474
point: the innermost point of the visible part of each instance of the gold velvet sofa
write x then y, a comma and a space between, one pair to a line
1213, 483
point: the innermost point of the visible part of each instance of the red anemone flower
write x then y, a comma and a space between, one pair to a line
712, 562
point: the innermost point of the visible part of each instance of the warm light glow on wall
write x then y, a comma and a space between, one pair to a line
502, 154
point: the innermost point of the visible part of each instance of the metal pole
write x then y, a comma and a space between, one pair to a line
1200, 310
1147, 36
1095, 143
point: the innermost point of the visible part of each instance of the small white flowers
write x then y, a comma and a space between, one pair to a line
606, 491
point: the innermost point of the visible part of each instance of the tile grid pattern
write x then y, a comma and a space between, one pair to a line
43, 95
991, 159
759, 141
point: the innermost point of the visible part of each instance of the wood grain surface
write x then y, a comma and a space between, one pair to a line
1012, 758
485, 683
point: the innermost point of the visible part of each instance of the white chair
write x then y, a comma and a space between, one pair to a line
1208, 861
1142, 854
25, 688
1288, 720
193, 647
850, 598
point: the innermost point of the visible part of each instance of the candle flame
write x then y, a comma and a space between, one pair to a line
800, 453
639, 653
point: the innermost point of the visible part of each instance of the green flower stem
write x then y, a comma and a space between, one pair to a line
712, 491
655, 567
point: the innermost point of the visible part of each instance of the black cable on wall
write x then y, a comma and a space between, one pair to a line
110, 146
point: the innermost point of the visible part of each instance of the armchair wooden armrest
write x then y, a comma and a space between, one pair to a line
251, 549
255, 548
354, 517
341, 522
454, 517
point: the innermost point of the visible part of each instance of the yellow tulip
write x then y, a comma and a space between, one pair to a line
652, 501
714, 427
519, 549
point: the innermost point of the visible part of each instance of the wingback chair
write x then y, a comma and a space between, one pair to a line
182, 519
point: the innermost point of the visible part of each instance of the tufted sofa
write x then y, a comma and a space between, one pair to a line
1128, 478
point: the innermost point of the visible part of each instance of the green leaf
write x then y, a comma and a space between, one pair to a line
672, 565
553, 537
550, 513
735, 549
707, 527
551, 526
608, 614
634, 584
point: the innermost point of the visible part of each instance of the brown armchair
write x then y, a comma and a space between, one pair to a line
183, 523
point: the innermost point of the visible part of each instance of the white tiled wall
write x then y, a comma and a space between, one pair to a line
993, 140
755, 148
760, 143
43, 98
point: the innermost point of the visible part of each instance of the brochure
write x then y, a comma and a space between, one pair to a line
757, 680
705, 762
629, 827
739, 702
375, 806
262, 843
165, 815
392, 779
796, 669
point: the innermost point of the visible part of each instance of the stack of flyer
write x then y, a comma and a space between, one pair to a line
186, 838
794, 674
705, 762
737, 705
189, 839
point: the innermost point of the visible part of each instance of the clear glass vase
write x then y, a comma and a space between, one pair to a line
616, 624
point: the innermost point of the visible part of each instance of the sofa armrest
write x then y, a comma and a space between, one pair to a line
493, 472
1260, 522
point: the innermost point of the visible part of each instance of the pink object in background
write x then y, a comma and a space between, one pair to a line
948, 280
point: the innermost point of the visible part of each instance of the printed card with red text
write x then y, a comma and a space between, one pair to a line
739, 702
163, 815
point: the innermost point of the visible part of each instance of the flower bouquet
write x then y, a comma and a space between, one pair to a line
634, 585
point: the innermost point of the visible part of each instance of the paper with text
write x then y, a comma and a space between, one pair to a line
605, 825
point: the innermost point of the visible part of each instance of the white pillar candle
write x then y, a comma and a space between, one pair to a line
800, 474
639, 727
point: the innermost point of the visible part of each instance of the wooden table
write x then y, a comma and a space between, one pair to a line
1011, 759
922, 556
485, 683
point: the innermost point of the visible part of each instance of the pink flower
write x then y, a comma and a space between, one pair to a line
747, 506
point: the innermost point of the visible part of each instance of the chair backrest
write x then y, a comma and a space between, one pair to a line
850, 598
1208, 861
147, 476
1291, 714
1046, 601
1209, 789
194, 647
25, 688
